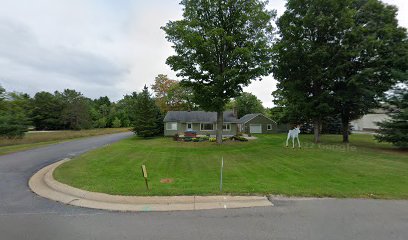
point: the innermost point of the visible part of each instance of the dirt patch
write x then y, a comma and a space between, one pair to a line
166, 180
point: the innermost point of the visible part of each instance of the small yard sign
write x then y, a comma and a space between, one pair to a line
144, 173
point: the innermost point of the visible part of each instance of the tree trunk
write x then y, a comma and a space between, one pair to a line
345, 129
345, 120
220, 123
316, 126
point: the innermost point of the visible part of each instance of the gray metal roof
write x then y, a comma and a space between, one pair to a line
248, 117
198, 116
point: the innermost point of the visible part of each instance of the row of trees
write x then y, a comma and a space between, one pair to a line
332, 59
66, 110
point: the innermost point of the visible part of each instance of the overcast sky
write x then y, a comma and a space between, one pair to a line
98, 47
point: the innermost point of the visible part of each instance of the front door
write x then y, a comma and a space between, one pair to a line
189, 126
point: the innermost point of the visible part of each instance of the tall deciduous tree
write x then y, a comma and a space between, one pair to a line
305, 57
338, 57
161, 87
148, 119
373, 57
221, 46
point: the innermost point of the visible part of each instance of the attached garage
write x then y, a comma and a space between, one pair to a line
257, 123
255, 128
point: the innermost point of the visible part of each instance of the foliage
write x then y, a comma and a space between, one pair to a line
101, 122
220, 47
76, 112
310, 36
395, 130
161, 87
46, 111
116, 123
337, 57
14, 110
239, 138
148, 119
170, 95
248, 103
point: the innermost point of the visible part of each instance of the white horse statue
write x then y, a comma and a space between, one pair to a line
294, 133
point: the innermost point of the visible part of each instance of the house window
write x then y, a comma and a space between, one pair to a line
226, 127
269, 127
171, 126
189, 126
207, 127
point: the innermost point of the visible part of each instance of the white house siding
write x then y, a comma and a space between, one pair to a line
367, 122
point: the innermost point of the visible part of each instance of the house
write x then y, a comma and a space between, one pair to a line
257, 123
204, 123
368, 121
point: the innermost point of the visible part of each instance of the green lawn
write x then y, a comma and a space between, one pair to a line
264, 166
37, 139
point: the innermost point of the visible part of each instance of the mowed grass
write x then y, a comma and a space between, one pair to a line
264, 166
41, 138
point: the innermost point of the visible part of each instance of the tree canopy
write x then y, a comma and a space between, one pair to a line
337, 58
221, 46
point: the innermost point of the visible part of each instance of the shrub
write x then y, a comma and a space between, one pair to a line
239, 138
204, 138
212, 139
187, 139
176, 137
195, 139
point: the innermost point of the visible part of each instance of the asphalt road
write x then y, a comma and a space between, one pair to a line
23, 215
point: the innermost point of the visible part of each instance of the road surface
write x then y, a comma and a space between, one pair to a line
23, 215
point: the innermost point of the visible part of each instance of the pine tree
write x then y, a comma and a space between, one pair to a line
395, 130
148, 121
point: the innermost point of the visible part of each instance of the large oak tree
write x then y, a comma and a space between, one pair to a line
220, 46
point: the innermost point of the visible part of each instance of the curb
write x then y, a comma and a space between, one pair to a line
44, 184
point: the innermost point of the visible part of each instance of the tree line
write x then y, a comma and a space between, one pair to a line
65, 110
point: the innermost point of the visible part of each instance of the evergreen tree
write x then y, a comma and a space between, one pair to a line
46, 111
76, 112
395, 130
148, 120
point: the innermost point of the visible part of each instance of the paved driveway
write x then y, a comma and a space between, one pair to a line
23, 215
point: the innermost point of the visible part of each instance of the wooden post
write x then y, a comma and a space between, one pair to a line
144, 173
222, 167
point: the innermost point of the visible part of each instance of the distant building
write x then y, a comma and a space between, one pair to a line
368, 121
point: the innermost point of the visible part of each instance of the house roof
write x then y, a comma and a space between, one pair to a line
198, 116
251, 116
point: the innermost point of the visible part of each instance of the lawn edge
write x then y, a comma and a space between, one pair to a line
44, 184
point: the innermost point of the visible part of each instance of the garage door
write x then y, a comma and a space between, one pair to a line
255, 128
